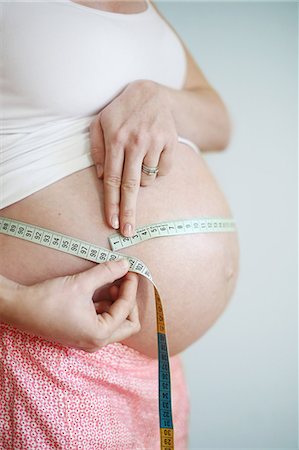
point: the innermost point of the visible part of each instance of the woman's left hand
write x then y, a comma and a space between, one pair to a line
135, 127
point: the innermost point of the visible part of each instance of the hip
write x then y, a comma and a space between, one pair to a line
54, 397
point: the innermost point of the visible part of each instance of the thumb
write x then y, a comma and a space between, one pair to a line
101, 274
97, 145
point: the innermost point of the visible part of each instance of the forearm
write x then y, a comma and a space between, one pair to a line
200, 116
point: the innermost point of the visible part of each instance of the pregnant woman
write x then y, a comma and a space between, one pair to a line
94, 92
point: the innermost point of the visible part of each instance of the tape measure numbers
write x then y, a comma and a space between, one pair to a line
94, 253
172, 228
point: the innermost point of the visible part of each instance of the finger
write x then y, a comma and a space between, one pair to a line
114, 290
102, 306
102, 303
134, 315
151, 160
113, 169
121, 308
129, 191
126, 329
166, 157
104, 293
97, 144
99, 275
130, 326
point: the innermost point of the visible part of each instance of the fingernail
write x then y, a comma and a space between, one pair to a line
99, 168
115, 221
128, 230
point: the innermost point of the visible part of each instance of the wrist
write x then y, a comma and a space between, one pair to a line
168, 97
10, 297
154, 89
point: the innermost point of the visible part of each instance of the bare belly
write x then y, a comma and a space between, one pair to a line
195, 274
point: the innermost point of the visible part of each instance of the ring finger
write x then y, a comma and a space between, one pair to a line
150, 162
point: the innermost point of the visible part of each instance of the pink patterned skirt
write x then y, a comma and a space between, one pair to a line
55, 397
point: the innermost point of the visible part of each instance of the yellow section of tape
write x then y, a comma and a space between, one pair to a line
159, 313
167, 438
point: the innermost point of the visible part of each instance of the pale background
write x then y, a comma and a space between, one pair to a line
242, 374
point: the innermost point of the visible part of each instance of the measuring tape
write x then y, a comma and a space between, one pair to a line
94, 253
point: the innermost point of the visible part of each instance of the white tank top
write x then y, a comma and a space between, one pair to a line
61, 63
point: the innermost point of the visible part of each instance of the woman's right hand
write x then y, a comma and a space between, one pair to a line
63, 309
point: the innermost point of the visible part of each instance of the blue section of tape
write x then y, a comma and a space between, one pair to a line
165, 412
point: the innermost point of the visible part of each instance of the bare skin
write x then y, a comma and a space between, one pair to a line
195, 274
